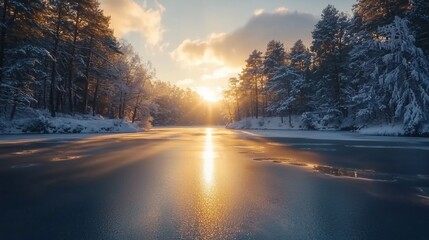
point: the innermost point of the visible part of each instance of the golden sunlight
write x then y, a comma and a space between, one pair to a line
208, 157
208, 94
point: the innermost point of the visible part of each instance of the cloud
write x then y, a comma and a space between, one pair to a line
185, 82
281, 10
233, 48
221, 73
258, 12
197, 52
128, 16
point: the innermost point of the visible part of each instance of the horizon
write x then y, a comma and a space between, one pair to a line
202, 51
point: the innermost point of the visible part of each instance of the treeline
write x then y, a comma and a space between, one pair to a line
370, 68
171, 105
61, 55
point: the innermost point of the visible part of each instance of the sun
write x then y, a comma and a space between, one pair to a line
208, 94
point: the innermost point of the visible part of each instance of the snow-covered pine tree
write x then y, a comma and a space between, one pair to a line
252, 81
96, 45
419, 19
300, 58
300, 61
20, 57
367, 105
23, 72
274, 58
58, 25
330, 46
285, 85
376, 13
232, 100
404, 75
16, 17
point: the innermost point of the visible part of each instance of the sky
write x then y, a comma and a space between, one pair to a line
200, 44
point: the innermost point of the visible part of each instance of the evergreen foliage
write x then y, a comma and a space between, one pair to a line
372, 68
73, 64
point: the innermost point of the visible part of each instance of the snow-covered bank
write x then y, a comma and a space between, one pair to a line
275, 123
262, 123
41, 122
334, 135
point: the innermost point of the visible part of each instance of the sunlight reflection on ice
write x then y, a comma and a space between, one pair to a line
210, 207
208, 156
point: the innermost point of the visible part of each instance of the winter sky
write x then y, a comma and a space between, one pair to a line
201, 43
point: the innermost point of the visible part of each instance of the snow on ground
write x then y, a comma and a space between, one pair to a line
390, 130
266, 123
273, 127
34, 137
41, 122
328, 135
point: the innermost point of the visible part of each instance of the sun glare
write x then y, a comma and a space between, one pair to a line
208, 95
208, 157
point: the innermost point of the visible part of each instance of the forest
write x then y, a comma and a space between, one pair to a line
371, 68
61, 56
367, 69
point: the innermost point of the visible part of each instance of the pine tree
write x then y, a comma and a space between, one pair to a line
300, 62
392, 77
96, 46
274, 59
232, 97
286, 85
330, 46
378, 13
404, 75
419, 19
300, 58
367, 103
253, 79
17, 16
20, 57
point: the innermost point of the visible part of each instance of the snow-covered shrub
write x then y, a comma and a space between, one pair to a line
424, 131
68, 128
247, 123
331, 118
146, 123
261, 122
3, 125
38, 125
310, 120
325, 119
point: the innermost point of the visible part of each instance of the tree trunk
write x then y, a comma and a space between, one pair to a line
44, 90
123, 106
134, 114
87, 72
71, 63
135, 109
60, 103
237, 116
3, 37
94, 101
54, 63
12, 113
256, 98
120, 105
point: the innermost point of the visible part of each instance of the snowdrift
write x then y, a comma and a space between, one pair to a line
40, 122
297, 123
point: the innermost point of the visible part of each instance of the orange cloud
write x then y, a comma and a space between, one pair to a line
128, 16
197, 52
281, 10
233, 48
221, 73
